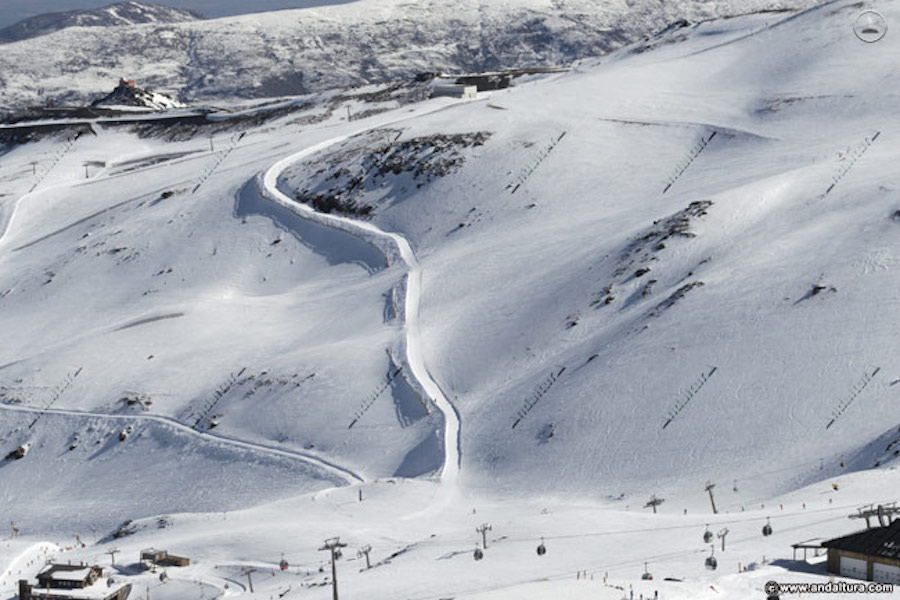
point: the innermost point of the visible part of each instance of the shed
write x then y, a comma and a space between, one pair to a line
153, 555
871, 554
163, 558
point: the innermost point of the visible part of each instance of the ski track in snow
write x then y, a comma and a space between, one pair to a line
415, 360
316, 461
32, 551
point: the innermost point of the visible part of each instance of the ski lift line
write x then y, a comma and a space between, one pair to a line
466, 543
680, 554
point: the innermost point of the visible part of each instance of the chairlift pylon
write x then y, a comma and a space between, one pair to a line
767, 528
541, 549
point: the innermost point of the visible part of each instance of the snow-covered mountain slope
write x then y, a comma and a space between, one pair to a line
673, 265
115, 15
677, 247
292, 52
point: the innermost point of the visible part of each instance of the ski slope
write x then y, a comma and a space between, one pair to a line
674, 265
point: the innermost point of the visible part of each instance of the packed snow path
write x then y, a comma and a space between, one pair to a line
414, 359
329, 467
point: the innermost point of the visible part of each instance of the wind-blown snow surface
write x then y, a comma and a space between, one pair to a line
297, 51
772, 257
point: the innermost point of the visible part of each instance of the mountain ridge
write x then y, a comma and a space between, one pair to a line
298, 51
113, 15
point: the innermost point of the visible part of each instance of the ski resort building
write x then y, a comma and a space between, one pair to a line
466, 92
871, 555
70, 582
69, 576
163, 559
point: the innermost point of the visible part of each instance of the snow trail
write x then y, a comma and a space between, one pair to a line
325, 465
414, 359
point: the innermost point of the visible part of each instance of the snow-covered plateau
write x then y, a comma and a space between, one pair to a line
368, 314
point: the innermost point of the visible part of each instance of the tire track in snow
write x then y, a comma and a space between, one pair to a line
328, 466
415, 361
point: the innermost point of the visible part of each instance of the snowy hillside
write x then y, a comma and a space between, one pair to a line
293, 52
114, 15
364, 314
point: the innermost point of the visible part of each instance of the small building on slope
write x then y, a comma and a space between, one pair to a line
871, 555
70, 582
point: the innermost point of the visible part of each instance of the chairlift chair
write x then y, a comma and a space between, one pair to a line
646, 576
283, 565
479, 554
767, 528
707, 535
541, 549
711, 563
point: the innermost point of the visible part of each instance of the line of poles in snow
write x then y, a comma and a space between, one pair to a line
526, 172
854, 154
70, 142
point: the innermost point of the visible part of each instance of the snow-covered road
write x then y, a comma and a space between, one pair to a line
414, 359
325, 465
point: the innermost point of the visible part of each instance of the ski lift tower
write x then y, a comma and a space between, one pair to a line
334, 546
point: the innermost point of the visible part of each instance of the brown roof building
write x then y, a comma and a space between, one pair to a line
871, 555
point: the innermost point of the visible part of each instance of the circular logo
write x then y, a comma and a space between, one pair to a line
870, 26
